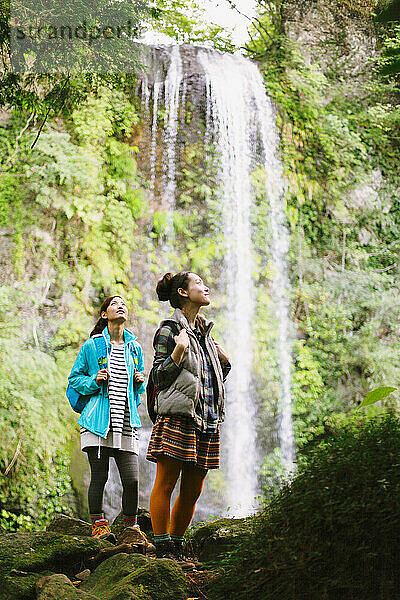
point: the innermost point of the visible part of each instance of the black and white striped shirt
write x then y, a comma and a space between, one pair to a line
117, 390
120, 434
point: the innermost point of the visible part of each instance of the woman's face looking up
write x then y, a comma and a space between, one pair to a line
116, 310
197, 292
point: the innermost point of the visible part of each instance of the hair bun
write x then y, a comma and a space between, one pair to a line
163, 288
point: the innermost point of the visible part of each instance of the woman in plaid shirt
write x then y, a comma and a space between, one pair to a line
188, 372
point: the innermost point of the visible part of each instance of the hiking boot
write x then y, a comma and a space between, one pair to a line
181, 555
167, 549
101, 530
178, 550
134, 536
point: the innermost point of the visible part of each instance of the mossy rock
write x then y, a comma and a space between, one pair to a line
26, 557
135, 577
59, 587
69, 526
20, 585
213, 540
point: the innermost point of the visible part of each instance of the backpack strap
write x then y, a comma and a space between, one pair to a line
175, 330
134, 354
101, 350
151, 389
174, 326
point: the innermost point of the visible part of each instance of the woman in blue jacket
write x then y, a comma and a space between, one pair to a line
109, 369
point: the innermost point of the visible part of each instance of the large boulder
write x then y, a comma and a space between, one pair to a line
20, 585
59, 587
213, 540
69, 526
135, 577
27, 557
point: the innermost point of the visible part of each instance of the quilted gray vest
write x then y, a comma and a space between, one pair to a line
182, 396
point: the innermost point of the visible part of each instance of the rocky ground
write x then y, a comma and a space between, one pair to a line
66, 563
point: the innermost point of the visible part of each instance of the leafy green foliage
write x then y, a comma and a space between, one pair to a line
186, 22
377, 395
387, 10
47, 94
34, 476
331, 532
69, 208
390, 60
340, 150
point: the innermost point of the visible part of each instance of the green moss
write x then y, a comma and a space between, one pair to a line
45, 550
212, 541
57, 587
20, 585
27, 557
137, 577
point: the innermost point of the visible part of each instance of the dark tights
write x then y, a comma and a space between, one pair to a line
127, 463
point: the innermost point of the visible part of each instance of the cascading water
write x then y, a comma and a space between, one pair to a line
239, 124
172, 89
279, 249
230, 120
156, 95
239, 112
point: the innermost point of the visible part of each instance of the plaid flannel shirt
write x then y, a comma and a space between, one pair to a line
165, 371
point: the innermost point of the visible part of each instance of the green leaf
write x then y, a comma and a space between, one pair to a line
379, 394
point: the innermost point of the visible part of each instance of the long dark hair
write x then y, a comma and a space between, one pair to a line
167, 288
102, 323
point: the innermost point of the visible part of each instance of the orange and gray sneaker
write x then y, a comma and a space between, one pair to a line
101, 530
134, 536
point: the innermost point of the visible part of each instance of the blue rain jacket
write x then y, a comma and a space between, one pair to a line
96, 415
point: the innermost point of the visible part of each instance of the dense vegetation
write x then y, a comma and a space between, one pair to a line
339, 118
331, 533
61, 205
74, 211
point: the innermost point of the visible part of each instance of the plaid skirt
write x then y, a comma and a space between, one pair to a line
178, 438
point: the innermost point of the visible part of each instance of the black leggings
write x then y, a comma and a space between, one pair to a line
127, 463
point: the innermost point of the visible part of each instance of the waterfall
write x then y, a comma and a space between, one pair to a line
172, 89
230, 114
279, 249
241, 113
239, 123
153, 151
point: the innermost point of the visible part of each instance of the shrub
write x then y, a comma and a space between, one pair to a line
332, 532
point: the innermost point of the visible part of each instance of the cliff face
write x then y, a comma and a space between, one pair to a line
338, 118
336, 35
